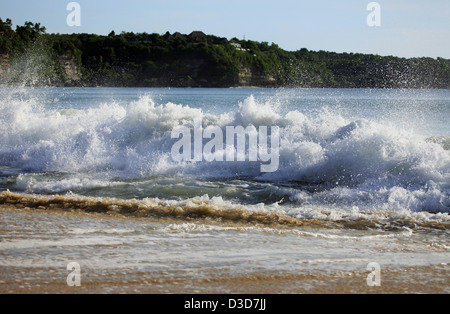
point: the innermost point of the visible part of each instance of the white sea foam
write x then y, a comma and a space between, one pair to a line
34, 184
362, 163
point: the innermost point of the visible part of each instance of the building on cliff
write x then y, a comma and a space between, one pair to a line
239, 47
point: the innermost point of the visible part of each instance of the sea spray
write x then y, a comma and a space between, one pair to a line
326, 160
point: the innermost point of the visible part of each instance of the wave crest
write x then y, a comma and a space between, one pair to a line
360, 162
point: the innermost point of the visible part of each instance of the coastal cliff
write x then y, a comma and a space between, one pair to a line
198, 60
72, 67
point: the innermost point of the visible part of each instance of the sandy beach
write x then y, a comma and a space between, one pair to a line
17, 278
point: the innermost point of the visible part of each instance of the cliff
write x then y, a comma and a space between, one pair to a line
198, 60
71, 66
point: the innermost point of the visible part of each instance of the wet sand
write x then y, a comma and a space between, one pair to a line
416, 280
18, 279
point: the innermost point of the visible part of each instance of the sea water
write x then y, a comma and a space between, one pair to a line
363, 176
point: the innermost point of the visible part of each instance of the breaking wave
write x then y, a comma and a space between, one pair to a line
326, 160
224, 212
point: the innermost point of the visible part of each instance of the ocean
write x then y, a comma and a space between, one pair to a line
88, 176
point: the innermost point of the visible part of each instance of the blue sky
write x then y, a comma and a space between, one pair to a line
409, 28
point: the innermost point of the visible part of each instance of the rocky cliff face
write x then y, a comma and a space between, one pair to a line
71, 65
4, 62
188, 72
248, 77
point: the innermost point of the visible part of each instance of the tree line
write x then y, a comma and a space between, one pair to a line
199, 60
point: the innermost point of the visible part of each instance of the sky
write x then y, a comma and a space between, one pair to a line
408, 28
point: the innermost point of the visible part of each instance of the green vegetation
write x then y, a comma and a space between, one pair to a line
199, 60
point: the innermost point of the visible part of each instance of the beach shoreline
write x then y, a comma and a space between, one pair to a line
52, 279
